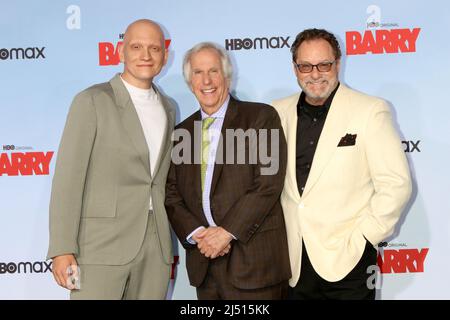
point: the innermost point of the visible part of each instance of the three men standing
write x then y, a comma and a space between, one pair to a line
339, 167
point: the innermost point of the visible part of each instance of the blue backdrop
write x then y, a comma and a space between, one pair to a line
50, 50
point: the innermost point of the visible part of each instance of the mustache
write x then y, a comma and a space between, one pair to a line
316, 81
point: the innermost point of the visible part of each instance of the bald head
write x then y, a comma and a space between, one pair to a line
141, 26
143, 53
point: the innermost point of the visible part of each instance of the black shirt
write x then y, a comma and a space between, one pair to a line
310, 121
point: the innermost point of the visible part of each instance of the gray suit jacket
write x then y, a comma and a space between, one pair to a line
102, 182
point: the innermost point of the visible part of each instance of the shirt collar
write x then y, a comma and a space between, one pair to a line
219, 113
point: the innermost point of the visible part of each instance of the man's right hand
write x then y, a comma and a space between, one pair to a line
199, 237
63, 267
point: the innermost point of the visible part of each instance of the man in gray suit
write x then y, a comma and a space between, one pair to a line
108, 224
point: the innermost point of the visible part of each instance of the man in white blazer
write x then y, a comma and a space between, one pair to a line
347, 178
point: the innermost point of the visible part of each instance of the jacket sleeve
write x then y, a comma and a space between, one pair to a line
390, 176
183, 222
248, 213
70, 174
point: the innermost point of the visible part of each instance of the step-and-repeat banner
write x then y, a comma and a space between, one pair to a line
50, 50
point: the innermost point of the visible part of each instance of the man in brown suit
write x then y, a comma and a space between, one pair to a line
225, 207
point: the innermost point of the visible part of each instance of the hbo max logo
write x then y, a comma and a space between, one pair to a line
257, 43
26, 267
22, 53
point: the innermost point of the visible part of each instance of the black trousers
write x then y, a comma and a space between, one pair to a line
352, 287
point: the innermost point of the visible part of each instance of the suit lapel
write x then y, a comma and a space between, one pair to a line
333, 129
290, 120
229, 122
167, 137
194, 169
130, 121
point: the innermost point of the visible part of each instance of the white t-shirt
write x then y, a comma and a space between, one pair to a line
153, 120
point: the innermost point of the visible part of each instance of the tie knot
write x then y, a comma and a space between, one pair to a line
207, 122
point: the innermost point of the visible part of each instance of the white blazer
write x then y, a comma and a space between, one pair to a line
352, 192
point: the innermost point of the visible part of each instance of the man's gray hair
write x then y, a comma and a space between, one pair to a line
227, 67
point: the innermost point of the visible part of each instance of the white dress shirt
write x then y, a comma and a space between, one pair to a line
214, 138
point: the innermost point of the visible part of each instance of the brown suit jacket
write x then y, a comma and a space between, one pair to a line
243, 202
